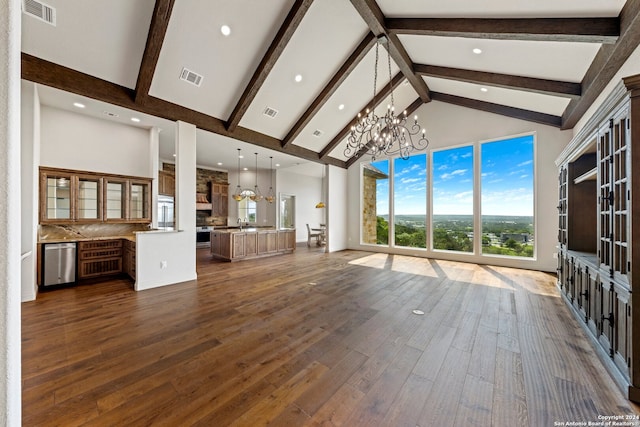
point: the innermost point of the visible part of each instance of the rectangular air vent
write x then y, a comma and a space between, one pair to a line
271, 112
191, 77
317, 133
39, 10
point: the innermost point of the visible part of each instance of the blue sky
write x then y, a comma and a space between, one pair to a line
506, 180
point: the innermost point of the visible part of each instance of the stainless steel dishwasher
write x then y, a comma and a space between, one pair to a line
59, 263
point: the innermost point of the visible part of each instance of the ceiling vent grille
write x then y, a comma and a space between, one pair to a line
191, 77
270, 112
317, 133
39, 10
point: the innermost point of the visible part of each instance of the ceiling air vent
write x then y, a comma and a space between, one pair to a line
39, 10
317, 133
271, 112
191, 77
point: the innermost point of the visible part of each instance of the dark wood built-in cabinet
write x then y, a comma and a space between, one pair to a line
69, 196
166, 183
597, 254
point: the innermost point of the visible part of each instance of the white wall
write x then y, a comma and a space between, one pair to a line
450, 125
10, 365
307, 190
29, 160
337, 211
76, 141
265, 212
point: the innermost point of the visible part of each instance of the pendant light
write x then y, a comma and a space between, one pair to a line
256, 196
270, 197
321, 204
238, 195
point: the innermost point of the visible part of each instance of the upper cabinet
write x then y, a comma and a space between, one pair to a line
77, 196
166, 183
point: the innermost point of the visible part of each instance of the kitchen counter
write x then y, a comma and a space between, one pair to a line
238, 244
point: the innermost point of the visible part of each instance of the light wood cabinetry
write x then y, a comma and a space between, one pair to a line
166, 183
69, 196
220, 199
236, 245
597, 255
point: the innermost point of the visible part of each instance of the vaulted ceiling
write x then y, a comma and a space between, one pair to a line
544, 61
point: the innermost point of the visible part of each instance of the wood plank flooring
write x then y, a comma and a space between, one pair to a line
314, 339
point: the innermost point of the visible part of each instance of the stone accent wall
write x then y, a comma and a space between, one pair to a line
369, 234
204, 178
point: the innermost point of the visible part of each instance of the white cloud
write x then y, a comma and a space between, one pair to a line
528, 162
452, 174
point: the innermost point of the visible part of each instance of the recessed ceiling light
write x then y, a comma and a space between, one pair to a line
219, 163
341, 107
484, 89
78, 105
477, 51
135, 119
241, 156
245, 169
225, 30
277, 165
174, 155
298, 78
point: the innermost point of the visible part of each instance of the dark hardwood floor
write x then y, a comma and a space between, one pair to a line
314, 339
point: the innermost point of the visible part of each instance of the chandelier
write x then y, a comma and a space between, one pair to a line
256, 196
239, 194
271, 196
387, 135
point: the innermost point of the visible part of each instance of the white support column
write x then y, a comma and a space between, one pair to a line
10, 286
154, 154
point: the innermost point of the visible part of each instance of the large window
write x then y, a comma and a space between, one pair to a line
453, 199
481, 199
410, 201
375, 203
247, 211
507, 197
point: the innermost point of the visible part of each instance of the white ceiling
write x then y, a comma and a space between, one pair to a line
107, 40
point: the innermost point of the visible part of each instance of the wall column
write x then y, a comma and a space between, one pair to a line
10, 242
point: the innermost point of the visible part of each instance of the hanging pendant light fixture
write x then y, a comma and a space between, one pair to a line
270, 197
238, 195
387, 135
321, 204
256, 196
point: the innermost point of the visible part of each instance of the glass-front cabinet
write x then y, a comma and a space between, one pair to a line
88, 203
78, 196
139, 200
115, 194
56, 197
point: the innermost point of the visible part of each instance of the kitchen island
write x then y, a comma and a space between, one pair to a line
238, 244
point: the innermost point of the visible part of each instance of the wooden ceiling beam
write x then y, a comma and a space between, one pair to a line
503, 110
375, 20
155, 38
350, 64
384, 92
410, 110
287, 29
49, 74
585, 30
529, 84
606, 64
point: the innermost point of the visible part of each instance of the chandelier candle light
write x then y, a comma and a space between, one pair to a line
388, 135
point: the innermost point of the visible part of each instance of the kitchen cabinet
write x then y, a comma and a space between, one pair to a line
597, 254
99, 258
166, 183
220, 199
69, 196
234, 244
129, 258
